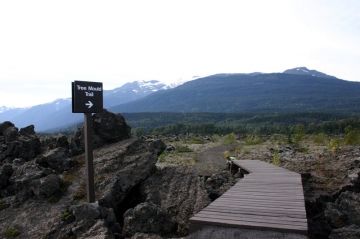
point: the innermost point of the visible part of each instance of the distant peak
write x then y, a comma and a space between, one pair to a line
305, 71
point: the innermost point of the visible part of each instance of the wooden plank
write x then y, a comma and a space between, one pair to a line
250, 225
254, 216
270, 197
300, 210
264, 206
262, 201
258, 212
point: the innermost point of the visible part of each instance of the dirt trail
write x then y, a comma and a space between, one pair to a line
211, 160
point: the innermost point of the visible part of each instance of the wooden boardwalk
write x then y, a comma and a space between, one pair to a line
268, 198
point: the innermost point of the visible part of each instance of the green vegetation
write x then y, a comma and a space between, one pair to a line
276, 158
230, 139
11, 232
80, 193
253, 139
294, 125
196, 140
334, 145
298, 133
321, 139
183, 149
352, 136
66, 216
3, 204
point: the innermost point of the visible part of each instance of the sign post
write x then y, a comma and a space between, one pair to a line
87, 98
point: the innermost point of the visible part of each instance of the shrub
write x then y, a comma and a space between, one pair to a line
80, 192
11, 232
320, 139
196, 140
67, 216
352, 136
276, 158
252, 140
3, 205
183, 149
216, 138
226, 154
299, 133
334, 145
230, 139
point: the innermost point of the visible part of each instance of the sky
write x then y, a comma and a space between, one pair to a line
45, 45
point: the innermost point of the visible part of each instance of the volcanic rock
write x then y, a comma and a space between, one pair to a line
56, 159
147, 218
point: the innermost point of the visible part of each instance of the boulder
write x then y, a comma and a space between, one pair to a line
349, 232
62, 141
180, 192
335, 217
5, 174
140, 235
4, 126
10, 134
147, 218
107, 128
25, 147
86, 211
170, 148
25, 178
345, 210
29, 130
122, 170
158, 146
218, 183
86, 220
98, 231
47, 186
56, 159
110, 128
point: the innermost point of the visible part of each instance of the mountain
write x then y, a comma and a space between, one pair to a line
132, 91
307, 72
274, 92
57, 114
7, 113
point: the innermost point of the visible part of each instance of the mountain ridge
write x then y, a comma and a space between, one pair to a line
57, 114
267, 92
294, 90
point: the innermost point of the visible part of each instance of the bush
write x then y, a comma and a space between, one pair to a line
334, 145
196, 140
299, 133
183, 149
67, 216
352, 136
226, 155
11, 232
321, 139
276, 158
80, 193
3, 205
252, 140
230, 139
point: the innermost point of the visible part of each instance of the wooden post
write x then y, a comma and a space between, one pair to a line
90, 187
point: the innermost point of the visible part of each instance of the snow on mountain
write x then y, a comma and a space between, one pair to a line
58, 113
306, 71
4, 109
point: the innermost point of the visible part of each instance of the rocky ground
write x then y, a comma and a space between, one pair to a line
149, 187
43, 190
